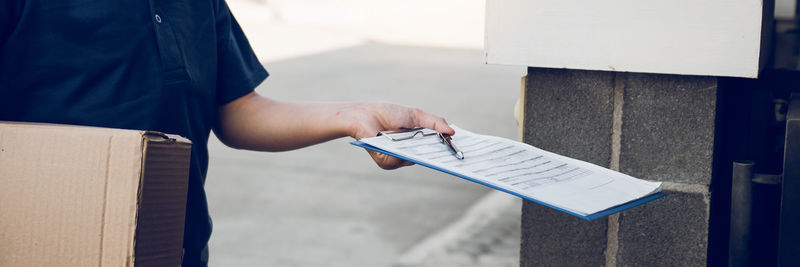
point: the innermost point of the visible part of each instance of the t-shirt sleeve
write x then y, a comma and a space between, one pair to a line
238, 69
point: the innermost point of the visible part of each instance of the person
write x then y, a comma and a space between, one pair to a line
180, 67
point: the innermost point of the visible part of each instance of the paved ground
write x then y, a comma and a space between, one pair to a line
487, 235
329, 205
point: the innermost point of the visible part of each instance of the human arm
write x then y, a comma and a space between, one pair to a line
258, 123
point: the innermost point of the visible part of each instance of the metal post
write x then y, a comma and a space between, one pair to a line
764, 222
741, 207
789, 237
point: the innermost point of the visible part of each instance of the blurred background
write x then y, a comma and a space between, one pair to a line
330, 205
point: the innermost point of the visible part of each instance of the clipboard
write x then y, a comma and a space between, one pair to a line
405, 134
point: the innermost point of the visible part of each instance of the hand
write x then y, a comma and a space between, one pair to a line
371, 118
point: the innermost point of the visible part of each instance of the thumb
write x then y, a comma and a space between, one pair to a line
434, 122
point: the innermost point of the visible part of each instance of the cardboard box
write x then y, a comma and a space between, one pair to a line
88, 196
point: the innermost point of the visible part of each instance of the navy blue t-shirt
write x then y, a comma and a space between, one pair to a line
163, 65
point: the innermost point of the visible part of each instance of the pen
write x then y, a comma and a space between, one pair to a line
452, 145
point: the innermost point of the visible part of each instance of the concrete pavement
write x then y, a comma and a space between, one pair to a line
487, 235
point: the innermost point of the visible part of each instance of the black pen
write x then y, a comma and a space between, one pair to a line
452, 145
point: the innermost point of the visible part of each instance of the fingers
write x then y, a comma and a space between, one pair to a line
387, 116
432, 122
387, 162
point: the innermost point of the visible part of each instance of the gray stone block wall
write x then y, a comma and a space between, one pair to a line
670, 232
581, 103
668, 127
554, 238
569, 112
666, 134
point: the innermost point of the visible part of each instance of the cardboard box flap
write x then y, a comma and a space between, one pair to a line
155, 136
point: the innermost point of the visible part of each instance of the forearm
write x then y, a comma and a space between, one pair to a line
258, 123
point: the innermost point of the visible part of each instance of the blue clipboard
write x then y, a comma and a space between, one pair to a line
589, 217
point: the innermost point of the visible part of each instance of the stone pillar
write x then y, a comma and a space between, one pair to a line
651, 126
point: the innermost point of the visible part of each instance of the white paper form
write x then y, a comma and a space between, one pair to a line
560, 181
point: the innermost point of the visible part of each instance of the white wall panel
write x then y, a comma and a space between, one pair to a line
693, 37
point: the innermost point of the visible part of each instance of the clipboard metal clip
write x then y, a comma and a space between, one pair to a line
407, 133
